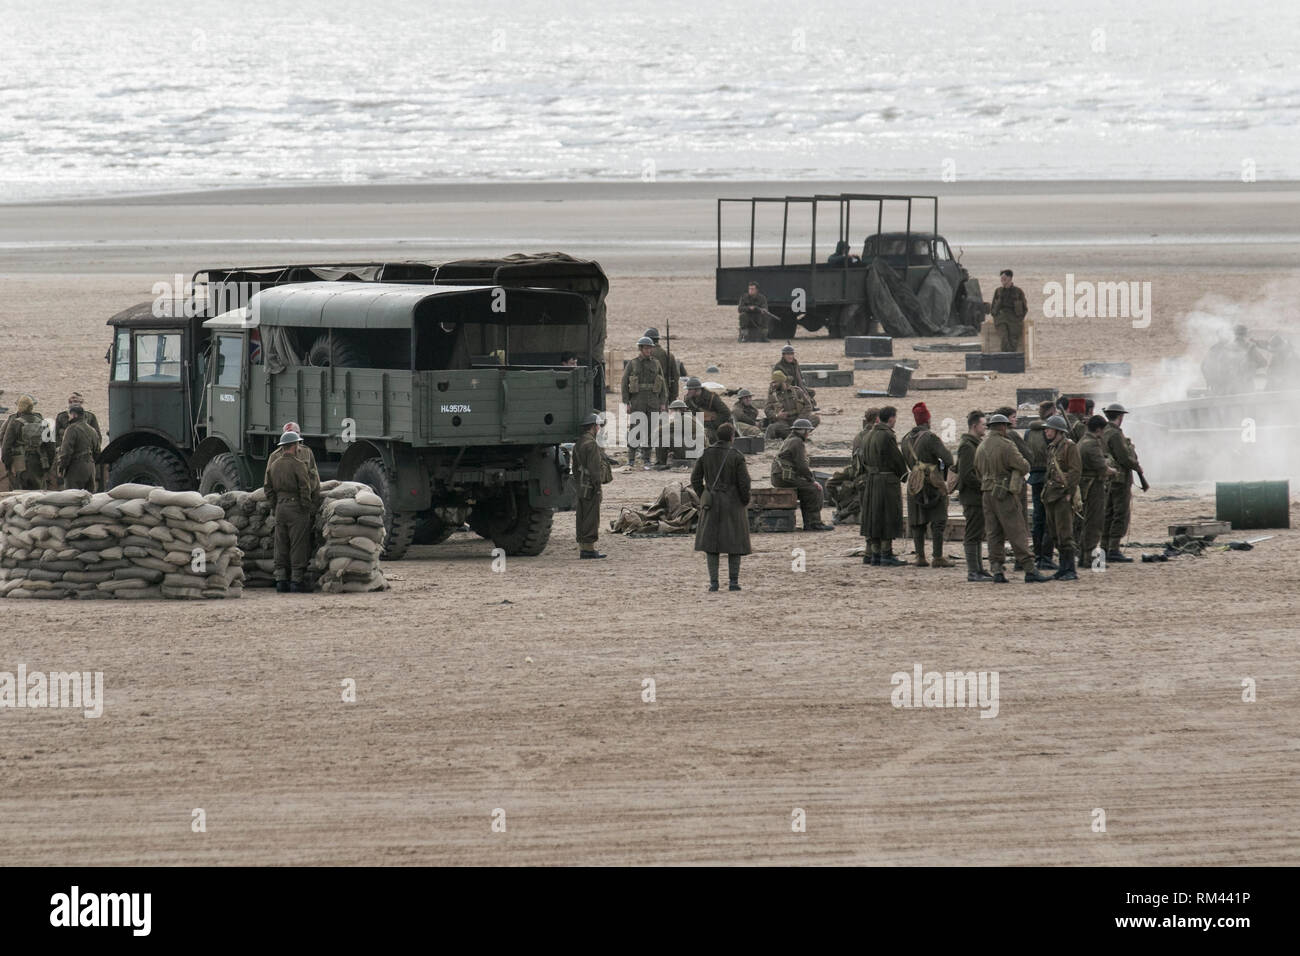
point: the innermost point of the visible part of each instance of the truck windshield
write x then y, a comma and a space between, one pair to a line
157, 356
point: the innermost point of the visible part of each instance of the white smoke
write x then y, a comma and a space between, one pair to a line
1184, 433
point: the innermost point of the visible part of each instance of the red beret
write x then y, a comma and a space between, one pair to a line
1077, 406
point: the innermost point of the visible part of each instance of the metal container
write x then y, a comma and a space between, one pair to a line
899, 380
768, 520
868, 345
1253, 504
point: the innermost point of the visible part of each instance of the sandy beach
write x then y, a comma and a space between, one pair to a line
523, 690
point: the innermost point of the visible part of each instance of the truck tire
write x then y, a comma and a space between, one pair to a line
516, 527
398, 525
151, 465
220, 475
342, 352
431, 529
813, 321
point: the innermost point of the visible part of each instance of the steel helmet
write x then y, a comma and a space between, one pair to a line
1058, 423
643, 341
802, 424
290, 438
998, 420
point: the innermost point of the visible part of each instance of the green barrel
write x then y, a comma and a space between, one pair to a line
1253, 504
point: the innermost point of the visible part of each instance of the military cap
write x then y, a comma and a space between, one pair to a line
744, 393
998, 420
644, 340
778, 376
802, 424
591, 418
693, 382
651, 333
787, 349
289, 438
1116, 407
678, 405
1057, 422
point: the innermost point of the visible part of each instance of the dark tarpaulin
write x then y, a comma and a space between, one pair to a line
884, 291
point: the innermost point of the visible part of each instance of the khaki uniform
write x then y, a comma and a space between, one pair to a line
1001, 468
1119, 498
309, 458
292, 496
795, 374
754, 317
668, 362
1027, 454
1040, 529
61, 422
971, 497
790, 469
785, 406
645, 391
76, 458
882, 502
1078, 427
745, 418
925, 452
589, 475
1093, 484
1009, 309
712, 409
27, 458
1064, 469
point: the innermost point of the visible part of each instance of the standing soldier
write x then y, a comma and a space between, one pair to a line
590, 472
1002, 472
786, 403
711, 408
744, 414
1077, 413
293, 499
790, 470
61, 422
668, 362
1064, 469
1009, 309
302, 450
27, 451
1119, 498
721, 481
76, 460
645, 392
971, 497
927, 486
882, 504
1022, 447
1094, 479
1040, 531
790, 366
754, 316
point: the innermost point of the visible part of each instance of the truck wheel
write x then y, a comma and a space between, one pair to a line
431, 529
813, 321
151, 465
220, 475
345, 352
398, 525
516, 527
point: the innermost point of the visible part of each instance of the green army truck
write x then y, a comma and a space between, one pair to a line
448, 397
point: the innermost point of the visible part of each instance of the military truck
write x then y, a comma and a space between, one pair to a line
440, 386
850, 291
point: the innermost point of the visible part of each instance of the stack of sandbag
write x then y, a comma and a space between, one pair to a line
250, 514
133, 541
350, 532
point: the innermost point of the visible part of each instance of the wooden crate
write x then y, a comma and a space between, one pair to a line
939, 383
868, 345
1009, 362
882, 364
1200, 528
771, 520
762, 499
830, 378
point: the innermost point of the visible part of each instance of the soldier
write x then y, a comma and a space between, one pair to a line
1064, 469
1009, 309
1283, 366
845, 486
645, 391
1095, 475
927, 490
668, 362
1077, 413
721, 481
27, 452
869, 419
971, 497
1002, 471
882, 505
1022, 447
590, 472
744, 414
711, 408
790, 470
1040, 531
292, 496
786, 403
76, 457
754, 316
790, 366
1119, 495
62, 420
302, 450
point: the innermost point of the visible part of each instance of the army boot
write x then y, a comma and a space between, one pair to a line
887, 559
998, 576
1115, 556
1032, 576
918, 542
1066, 572
281, 587
939, 561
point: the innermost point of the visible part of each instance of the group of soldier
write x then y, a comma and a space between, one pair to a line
1231, 366
42, 455
1078, 468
